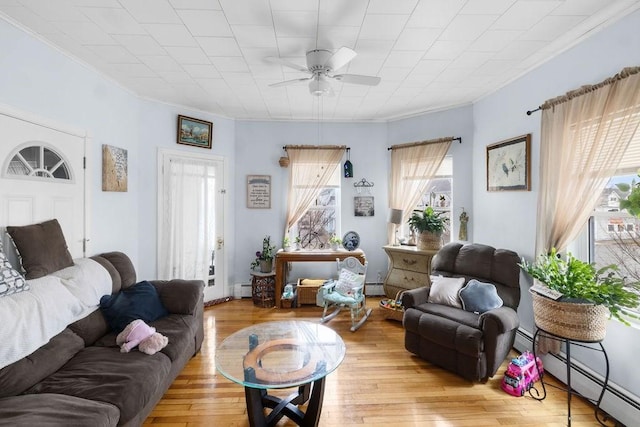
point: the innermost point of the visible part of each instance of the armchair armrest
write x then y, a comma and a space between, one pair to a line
502, 319
415, 297
180, 296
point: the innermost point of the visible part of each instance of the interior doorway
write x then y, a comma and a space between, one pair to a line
191, 194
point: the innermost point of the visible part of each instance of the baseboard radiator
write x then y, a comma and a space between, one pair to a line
619, 403
243, 290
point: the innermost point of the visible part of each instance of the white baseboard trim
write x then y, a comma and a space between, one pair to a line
242, 290
374, 289
618, 402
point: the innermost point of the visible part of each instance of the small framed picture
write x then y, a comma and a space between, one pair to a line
194, 132
509, 164
259, 191
363, 206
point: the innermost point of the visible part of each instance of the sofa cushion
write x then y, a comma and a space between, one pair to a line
56, 410
120, 267
127, 380
478, 297
181, 331
11, 281
91, 327
140, 301
452, 313
42, 248
20, 375
444, 290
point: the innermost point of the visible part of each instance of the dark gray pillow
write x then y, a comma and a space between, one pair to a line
478, 297
42, 248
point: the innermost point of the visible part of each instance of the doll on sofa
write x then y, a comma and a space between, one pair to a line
138, 333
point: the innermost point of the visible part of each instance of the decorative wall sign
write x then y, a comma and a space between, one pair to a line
363, 206
194, 132
114, 168
259, 191
509, 164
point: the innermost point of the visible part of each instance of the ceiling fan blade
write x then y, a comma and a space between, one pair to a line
276, 60
357, 79
290, 82
340, 58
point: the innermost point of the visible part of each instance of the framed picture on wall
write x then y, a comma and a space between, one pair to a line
509, 164
363, 206
259, 191
194, 132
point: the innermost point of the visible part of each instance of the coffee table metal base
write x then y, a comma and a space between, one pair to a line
258, 400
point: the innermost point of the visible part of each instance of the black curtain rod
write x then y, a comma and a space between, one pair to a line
459, 139
530, 112
312, 147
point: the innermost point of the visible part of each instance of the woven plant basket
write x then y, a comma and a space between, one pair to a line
428, 241
394, 309
576, 321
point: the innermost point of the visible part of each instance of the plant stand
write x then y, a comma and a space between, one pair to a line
568, 342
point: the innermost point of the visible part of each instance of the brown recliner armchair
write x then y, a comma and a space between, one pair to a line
471, 344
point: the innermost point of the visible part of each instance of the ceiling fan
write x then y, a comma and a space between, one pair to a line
321, 64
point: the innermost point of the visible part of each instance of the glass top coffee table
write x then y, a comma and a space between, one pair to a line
283, 354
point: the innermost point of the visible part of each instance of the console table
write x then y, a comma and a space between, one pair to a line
283, 258
409, 268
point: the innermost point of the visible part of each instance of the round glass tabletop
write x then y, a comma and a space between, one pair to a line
280, 354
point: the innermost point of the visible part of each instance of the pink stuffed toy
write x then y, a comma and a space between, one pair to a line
138, 333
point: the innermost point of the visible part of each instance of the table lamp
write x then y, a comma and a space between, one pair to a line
395, 218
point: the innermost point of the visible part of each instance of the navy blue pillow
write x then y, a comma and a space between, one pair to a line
140, 301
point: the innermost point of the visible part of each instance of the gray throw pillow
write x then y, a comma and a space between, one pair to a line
478, 297
42, 248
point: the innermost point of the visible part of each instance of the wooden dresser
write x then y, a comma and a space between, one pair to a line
409, 268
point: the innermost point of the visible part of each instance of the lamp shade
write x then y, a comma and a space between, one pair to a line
395, 216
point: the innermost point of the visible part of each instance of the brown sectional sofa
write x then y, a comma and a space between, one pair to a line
80, 377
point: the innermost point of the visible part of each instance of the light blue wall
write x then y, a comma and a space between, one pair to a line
38, 79
508, 219
258, 148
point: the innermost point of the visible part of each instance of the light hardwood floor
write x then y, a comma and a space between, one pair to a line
379, 382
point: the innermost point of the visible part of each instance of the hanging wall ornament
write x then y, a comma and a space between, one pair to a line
348, 167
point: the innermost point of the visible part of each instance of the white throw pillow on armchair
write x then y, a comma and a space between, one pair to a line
445, 290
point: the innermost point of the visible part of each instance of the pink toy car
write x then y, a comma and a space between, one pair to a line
521, 374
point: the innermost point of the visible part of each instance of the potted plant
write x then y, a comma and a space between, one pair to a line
585, 297
298, 243
286, 244
264, 258
428, 225
335, 242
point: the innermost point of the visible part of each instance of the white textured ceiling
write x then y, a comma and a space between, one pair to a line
209, 54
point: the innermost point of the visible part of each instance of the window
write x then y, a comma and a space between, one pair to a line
322, 219
38, 161
439, 195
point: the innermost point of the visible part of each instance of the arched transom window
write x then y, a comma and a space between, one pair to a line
38, 161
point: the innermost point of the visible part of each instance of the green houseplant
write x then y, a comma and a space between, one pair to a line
428, 225
335, 242
264, 258
582, 286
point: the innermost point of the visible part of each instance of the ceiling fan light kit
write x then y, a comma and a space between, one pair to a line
321, 64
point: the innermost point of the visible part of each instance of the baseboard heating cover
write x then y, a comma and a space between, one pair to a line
618, 402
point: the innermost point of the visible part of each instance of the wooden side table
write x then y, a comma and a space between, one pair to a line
263, 289
409, 269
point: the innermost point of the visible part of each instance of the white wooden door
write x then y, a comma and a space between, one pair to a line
190, 244
43, 177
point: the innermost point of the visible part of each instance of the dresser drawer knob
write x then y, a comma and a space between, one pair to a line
409, 261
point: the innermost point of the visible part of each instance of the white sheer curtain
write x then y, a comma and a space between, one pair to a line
310, 169
189, 219
412, 166
584, 137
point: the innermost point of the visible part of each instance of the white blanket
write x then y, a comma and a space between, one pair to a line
29, 319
